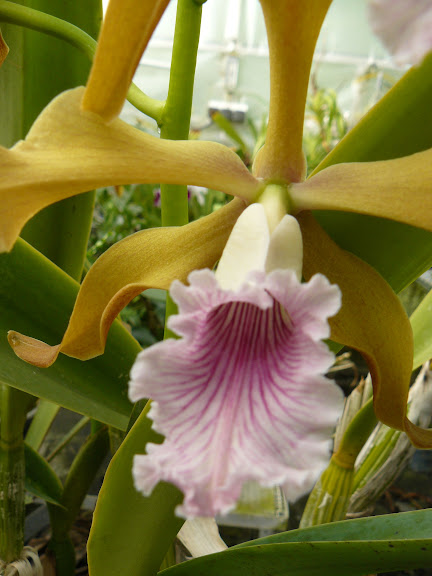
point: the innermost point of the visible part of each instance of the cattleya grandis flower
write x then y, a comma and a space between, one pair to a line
81, 128
234, 396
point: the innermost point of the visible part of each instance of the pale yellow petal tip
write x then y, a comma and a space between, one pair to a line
33, 351
420, 437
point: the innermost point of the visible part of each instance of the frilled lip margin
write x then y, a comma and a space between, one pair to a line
241, 395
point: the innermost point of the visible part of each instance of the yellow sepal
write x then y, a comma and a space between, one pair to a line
399, 189
292, 30
126, 30
371, 320
69, 151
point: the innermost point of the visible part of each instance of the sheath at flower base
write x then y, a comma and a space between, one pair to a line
242, 396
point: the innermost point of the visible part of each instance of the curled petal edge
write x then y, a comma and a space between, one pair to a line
371, 320
148, 259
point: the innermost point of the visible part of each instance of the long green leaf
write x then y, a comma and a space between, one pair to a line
354, 547
36, 297
311, 558
41, 423
399, 125
121, 512
405, 525
82, 473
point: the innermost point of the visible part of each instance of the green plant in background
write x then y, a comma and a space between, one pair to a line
379, 173
325, 125
121, 211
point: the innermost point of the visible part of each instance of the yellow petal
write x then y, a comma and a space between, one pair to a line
371, 320
4, 49
293, 27
398, 189
69, 151
148, 259
126, 30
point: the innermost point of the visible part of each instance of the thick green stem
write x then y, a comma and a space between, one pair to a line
14, 405
37, 20
47, 24
176, 115
175, 123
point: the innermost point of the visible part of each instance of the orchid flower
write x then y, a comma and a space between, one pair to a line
80, 128
404, 26
241, 395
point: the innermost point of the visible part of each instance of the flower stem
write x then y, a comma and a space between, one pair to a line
175, 123
14, 405
176, 115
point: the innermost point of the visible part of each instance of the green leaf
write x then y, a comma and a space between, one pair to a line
399, 125
225, 125
311, 558
136, 530
405, 525
82, 473
36, 297
354, 547
41, 480
41, 423
421, 322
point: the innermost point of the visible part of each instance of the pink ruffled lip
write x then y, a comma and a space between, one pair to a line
241, 396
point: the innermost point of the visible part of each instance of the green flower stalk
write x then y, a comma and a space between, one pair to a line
14, 406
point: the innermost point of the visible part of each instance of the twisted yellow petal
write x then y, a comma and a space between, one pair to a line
148, 259
69, 151
292, 29
371, 320
126, 30
398, 189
